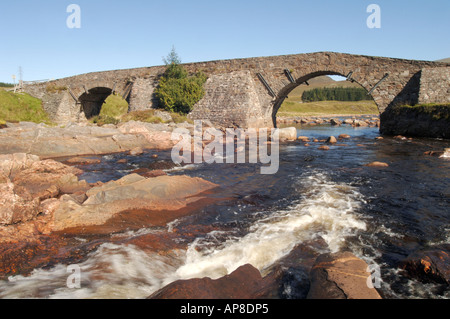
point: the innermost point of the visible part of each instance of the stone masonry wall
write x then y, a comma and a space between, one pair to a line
231, 100
141, 96
435, 85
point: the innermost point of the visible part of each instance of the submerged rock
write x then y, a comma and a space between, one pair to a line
377, 164
429, 265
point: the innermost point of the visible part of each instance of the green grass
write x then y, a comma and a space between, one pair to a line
436, 110
147, 116
115, 106
21, 107
292, 107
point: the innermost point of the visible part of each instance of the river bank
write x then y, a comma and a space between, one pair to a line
371, 120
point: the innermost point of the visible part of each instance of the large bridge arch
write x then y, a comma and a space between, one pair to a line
303, 80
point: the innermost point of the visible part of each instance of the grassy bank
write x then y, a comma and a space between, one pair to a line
21, 107
436, 111
115, 110
294, 107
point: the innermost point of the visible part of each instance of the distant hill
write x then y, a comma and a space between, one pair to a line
320, 82
444, 60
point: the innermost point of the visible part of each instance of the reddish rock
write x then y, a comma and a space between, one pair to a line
377, 164
340, 276
324, 148
244, 283
429, 265
16, 204
83, 161
344, 136
331, 140
40, 176
136, 151
303, 138
154, 173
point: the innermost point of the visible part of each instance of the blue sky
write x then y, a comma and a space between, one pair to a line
134, 33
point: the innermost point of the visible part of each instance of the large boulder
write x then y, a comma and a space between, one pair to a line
25, 181
288, 133
245, 282
340, 276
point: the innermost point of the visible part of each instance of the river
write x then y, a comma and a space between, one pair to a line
319, 201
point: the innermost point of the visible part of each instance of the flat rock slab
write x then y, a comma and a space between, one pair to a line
78, 140
340, 276
132, 192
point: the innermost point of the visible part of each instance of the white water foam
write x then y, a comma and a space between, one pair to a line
326, 209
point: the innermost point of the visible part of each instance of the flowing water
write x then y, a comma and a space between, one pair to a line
319, 201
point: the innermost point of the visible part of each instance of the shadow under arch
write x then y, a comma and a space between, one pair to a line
92, 100
284, 92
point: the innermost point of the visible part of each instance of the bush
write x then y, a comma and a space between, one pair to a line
177, 92
180, 94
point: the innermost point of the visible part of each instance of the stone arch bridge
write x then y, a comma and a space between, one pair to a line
249, 92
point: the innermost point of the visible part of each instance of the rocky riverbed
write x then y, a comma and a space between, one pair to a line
51, 216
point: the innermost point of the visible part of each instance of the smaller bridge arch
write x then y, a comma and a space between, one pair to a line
91, 101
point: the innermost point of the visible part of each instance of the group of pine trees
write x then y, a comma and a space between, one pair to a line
335, 94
